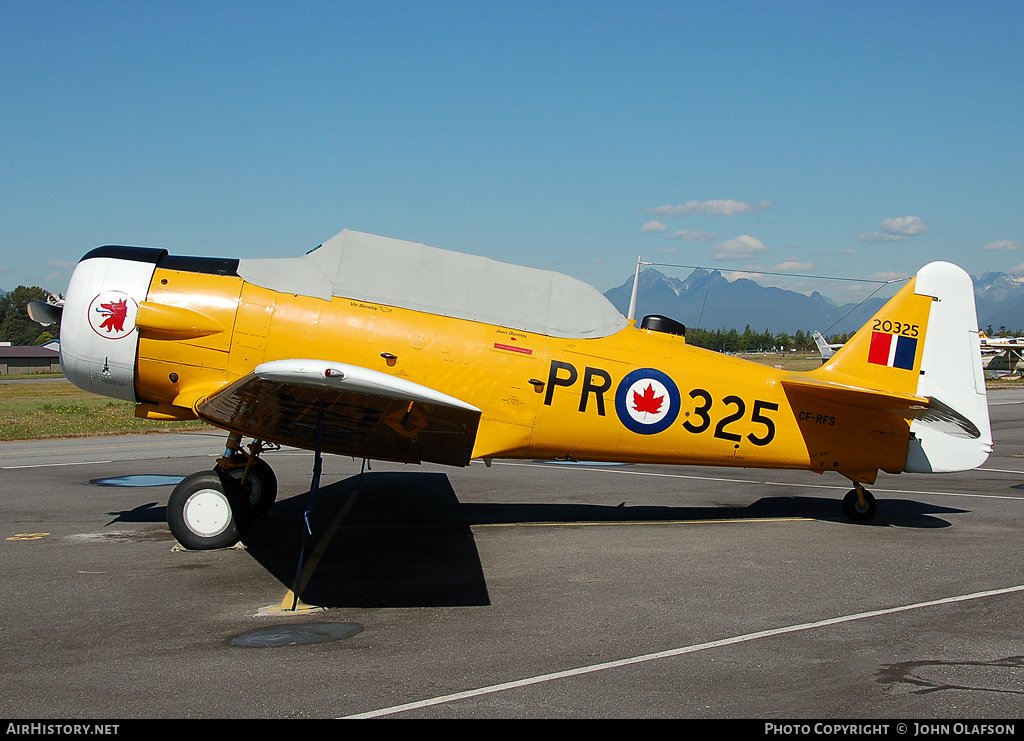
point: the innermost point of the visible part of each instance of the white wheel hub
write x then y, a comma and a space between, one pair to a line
207, 513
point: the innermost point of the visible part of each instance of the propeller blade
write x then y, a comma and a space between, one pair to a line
45, 313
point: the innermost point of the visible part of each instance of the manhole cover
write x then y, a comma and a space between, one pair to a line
294, 635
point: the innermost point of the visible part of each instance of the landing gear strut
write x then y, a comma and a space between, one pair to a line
253, 473
213, 509
859, 503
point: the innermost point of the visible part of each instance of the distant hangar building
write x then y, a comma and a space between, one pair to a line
19, 359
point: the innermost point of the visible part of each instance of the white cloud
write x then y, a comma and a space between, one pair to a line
744, 246
727, 207
734, 275
1004, 245
653, 226
60, 264
887, 275
906, 226
768, 276
793, 263
895, 230
684, 235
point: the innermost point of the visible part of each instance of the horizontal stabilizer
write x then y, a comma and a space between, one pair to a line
855, 396
946, 419
922, 408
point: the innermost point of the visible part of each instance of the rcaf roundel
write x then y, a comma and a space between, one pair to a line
647, 401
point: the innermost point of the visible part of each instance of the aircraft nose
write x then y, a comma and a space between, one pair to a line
98, 339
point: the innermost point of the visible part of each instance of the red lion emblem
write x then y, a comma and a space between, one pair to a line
114, 315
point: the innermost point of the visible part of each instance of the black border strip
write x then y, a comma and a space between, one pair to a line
211, 265
135, 254
162, 259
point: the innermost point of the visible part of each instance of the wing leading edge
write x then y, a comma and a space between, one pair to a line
367, 414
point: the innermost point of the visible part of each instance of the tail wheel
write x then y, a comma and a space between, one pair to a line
854, 509
261, 484
208, 510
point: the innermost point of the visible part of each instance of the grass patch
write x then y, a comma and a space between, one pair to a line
794, 361
30, 376
58, 409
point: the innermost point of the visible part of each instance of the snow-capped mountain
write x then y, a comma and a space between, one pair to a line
709, 301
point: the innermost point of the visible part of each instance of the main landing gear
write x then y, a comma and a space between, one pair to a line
859, 503
213, 509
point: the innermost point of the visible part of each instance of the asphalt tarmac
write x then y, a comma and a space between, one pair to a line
523, 590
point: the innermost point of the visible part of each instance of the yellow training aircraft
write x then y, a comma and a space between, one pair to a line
384, 349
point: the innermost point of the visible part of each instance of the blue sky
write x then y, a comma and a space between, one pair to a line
842, 139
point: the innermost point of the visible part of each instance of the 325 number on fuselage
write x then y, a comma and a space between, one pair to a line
647, 401
703, 414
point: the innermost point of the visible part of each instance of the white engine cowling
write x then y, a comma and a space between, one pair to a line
98, 338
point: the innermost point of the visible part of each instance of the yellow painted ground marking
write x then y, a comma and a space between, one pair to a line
28, 536
736, 520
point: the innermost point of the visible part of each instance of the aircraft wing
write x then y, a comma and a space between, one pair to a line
366, 413
926, 409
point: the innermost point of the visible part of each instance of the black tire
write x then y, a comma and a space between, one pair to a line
208, 510
261, 486
852, 508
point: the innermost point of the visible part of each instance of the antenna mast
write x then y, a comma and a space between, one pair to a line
631, 316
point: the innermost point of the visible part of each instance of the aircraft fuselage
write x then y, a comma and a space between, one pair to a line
635, 396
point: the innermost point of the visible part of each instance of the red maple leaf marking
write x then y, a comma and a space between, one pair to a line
647, 402
114, 315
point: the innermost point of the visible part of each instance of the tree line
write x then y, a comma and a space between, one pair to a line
15, 326
1002, 331
751, 341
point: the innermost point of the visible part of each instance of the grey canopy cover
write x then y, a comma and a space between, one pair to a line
411, 275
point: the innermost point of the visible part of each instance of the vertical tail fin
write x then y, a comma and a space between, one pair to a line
924, 342
824, 349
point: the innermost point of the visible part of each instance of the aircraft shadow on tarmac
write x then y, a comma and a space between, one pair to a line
407, 541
